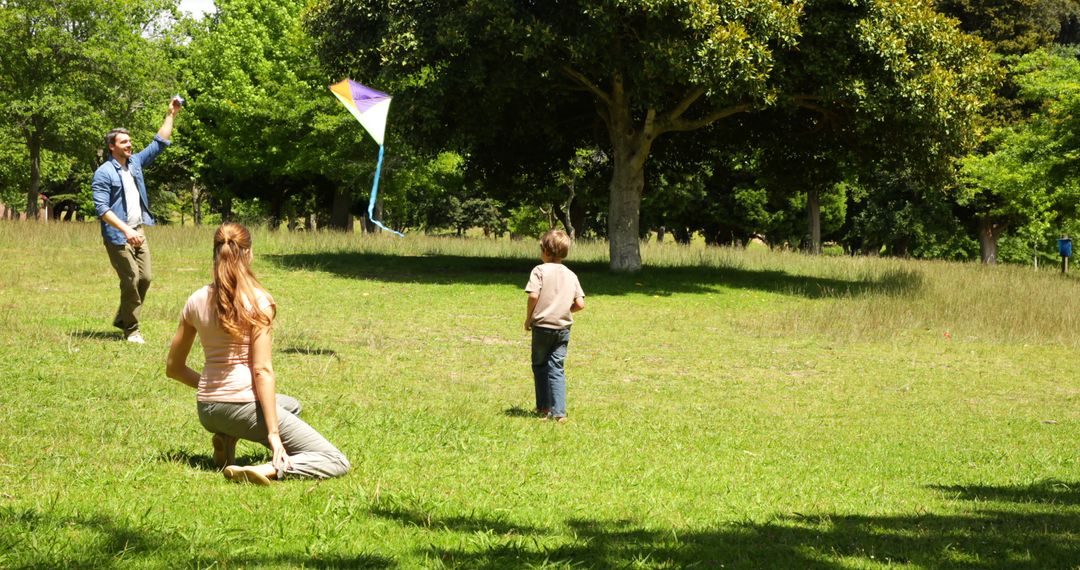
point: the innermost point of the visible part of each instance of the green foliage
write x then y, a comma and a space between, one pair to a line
528, 222
71, 70
1012, 27
427, 193
14, 168
554, 79
263, 122
1029, 178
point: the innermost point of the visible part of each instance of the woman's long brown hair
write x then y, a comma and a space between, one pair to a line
233, 295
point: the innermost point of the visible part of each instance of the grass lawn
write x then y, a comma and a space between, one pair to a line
728, 409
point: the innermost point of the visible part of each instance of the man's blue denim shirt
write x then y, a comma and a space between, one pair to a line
108, 189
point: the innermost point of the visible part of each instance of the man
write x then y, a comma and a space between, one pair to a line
124, 208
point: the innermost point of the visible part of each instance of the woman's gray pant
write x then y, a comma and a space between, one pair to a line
309, 452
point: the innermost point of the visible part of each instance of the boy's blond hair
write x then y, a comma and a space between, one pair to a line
556, 244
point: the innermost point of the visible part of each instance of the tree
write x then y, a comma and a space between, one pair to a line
71, 69
263, 121
1013, 27
645, 69
1029, 179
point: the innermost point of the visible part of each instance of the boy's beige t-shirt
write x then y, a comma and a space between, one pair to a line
226, 377
558, 287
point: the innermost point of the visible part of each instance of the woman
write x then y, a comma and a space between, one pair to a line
237, 396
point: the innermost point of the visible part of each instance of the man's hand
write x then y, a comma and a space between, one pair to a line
134, 238
174, 105
528, 324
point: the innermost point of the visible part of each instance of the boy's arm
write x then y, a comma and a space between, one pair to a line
579, 304
534, 296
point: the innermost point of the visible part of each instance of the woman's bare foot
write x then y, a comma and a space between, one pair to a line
224, 450
252, 474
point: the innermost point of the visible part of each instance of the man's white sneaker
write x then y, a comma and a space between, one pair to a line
136, 337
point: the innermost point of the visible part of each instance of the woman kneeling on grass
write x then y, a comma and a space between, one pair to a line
237, 396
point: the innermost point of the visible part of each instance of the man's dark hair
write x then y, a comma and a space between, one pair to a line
110, 138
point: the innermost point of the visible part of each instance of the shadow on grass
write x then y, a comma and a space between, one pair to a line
1050, 492
977, 538
514, 272
460, 524
1032, 532
104, 541
519, 412
205, 462
97, 335
309, 351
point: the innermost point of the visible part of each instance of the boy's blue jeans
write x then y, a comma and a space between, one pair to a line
548, 356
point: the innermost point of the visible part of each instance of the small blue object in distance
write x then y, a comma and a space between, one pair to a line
180, 99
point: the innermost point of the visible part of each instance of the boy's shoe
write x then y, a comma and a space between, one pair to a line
238, 474
559, 419
135, 337
542, 413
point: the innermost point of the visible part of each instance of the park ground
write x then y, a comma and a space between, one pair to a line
729, 409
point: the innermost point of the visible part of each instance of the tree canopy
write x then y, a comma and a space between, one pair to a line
66, 74
548, 78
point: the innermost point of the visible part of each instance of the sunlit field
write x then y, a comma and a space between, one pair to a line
728, 408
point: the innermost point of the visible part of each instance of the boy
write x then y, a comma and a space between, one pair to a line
554, 294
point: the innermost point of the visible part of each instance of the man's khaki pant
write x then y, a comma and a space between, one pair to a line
132, 265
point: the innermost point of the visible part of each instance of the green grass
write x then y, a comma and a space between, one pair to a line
729, 408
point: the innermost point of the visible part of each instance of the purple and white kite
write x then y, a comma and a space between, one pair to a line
370, 107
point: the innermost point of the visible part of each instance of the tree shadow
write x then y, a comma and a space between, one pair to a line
1049, 492
976, 539
144, 545
461, 524
96, 335
658, 281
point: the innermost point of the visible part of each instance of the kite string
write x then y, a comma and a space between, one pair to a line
375, 194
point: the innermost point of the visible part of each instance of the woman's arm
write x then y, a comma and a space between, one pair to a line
176, 363
265, 384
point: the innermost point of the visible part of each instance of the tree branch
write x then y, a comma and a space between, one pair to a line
683, 105
588, 85
811, 102
692, 125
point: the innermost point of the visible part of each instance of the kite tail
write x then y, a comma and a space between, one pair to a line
375, 195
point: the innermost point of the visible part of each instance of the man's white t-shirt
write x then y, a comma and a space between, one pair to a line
131, 199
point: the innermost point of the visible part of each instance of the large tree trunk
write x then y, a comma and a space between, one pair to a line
624, 215
341, 210
989, 232
33, 144
631, 143
813, 219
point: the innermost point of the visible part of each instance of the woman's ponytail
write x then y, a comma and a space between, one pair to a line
233, 296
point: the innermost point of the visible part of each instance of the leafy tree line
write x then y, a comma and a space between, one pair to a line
909, 128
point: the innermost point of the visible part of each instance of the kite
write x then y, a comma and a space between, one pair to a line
370, 107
